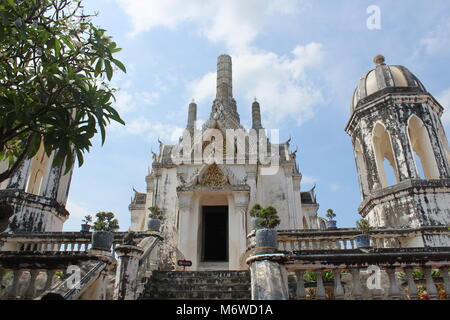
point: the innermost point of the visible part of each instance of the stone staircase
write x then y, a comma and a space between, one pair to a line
198, 285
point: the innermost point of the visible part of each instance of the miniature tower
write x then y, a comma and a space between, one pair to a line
395, 127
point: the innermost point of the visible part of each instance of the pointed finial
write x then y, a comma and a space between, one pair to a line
193, 100
379, 59
256, 100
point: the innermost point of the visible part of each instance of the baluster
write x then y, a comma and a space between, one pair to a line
377, 243
352, 243
344, 242
445, 277
431, 288
338, 289
357, 291
31, 290
14, 290
2, 273
292, 245
299, 245
337, 244
394, 290
65, 246
412, 288
301, 292
320, 287
48, 282
284, 245
72, 246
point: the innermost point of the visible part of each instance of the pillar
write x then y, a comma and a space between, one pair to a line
127, 272
269, 280
238, 230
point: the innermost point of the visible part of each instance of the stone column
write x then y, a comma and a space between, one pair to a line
238, 230
188, 230
19, 179
127, 272
269, 278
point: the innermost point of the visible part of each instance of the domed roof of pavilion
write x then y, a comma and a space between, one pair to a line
383, 76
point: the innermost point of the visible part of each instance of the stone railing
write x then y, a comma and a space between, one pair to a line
29, 275
376, 273
343, 239
54, 241
136, 262
32, 265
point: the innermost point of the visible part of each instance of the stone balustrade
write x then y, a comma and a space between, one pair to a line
33, 264
136, 263
376, 273
25, 276
54, 241
343, 239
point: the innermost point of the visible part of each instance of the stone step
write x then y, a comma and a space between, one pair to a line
158, 286
199, 280
205, 295
204, 285
201, 274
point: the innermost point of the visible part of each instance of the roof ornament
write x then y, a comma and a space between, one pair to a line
379, 60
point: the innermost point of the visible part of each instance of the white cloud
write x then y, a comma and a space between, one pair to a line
281, 83
153, 130
334, 187
234, 22
77, 210
444, 99
308, 180
438, 40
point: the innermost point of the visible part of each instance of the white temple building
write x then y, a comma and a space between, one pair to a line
205, 201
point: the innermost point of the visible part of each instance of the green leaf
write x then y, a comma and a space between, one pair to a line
120, 65
108, 69
98, 67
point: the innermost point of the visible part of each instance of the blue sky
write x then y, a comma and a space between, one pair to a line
301, 58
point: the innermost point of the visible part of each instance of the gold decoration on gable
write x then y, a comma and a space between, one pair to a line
214, 177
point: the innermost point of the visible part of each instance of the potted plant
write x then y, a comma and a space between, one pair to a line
267, 237
86, 226
363, 240
104, 226
155, 217
254, 214
331, 223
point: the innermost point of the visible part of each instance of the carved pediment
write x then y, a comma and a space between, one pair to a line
213, 175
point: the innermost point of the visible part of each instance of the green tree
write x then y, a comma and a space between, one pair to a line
105, 222
330, 214
269, 217
156, 213
363, 225
55, 66
255, 210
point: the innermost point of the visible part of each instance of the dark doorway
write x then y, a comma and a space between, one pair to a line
215, 233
